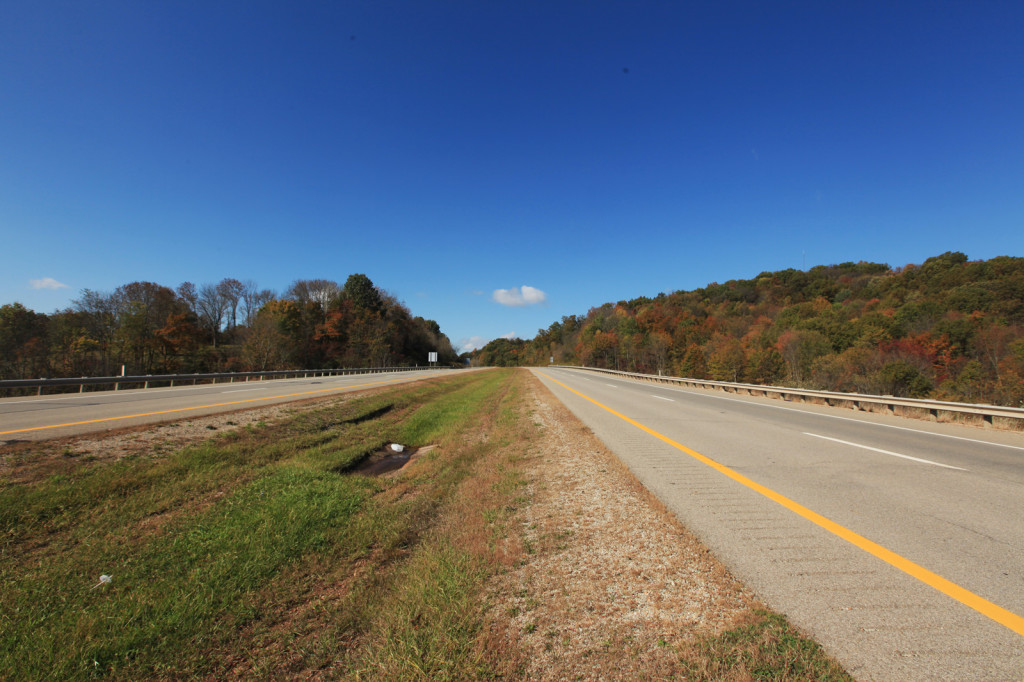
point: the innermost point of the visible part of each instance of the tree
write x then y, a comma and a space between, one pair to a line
253, 299
140, 308
187, 293
211, 306
362, 292
800, 348
177, 337
22, 342
231, 290
901, 379
265, 346
99, 315
727, 359
317, 291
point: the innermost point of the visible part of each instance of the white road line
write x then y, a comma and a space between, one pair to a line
131, 393
846, 419
94, 395
885, 452
244, 390
659, 397
612, 385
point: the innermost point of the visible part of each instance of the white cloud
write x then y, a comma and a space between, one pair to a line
519, 297
472, 343
47, 283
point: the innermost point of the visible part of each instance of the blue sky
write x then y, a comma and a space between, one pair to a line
497, 165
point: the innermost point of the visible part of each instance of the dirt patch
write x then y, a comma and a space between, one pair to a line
28, 461
388, 460
612, 582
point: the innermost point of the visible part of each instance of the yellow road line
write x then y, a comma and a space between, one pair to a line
200, 407
951, 589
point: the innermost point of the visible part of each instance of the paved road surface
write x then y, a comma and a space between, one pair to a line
944, 503
35, 418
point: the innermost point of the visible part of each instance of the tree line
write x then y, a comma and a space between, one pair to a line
949, 329
232, 325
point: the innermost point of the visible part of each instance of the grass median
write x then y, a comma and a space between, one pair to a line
264, 553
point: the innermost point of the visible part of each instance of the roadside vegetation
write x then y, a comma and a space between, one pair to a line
947, 329
230, 326
265, 553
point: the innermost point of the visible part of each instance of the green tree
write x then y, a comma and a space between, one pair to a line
362, 292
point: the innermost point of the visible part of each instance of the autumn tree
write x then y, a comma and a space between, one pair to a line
22, 342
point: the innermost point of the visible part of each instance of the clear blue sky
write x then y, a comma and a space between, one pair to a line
590, 151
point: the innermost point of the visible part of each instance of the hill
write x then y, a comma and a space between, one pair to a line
949, 328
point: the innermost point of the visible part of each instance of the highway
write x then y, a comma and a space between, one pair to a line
50, 416
898, 544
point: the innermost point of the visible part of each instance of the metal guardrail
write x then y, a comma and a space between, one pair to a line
146, 380
935, 410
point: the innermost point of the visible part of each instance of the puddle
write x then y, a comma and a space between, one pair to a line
386, 460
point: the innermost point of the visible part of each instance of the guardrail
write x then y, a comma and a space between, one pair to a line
147, 380
934, 410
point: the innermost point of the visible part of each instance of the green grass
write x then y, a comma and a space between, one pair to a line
258, 554
201, 543
765, 648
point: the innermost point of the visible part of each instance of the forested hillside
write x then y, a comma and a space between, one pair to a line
948, 328
229, 326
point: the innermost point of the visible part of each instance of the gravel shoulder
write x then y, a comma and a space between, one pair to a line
612, 585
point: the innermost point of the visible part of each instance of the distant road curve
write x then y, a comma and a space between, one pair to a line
53, 416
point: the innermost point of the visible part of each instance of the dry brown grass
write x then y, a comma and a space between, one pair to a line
518, 548
610, 580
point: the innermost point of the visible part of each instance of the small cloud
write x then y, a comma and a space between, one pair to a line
47, 283
519, 297
475, 342
471, 344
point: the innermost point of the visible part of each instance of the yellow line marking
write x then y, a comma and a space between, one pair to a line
981, 605
201, 407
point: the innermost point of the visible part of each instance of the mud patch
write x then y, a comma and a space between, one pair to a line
385, 460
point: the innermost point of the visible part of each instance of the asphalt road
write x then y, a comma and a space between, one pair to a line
36, 418
898, 544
